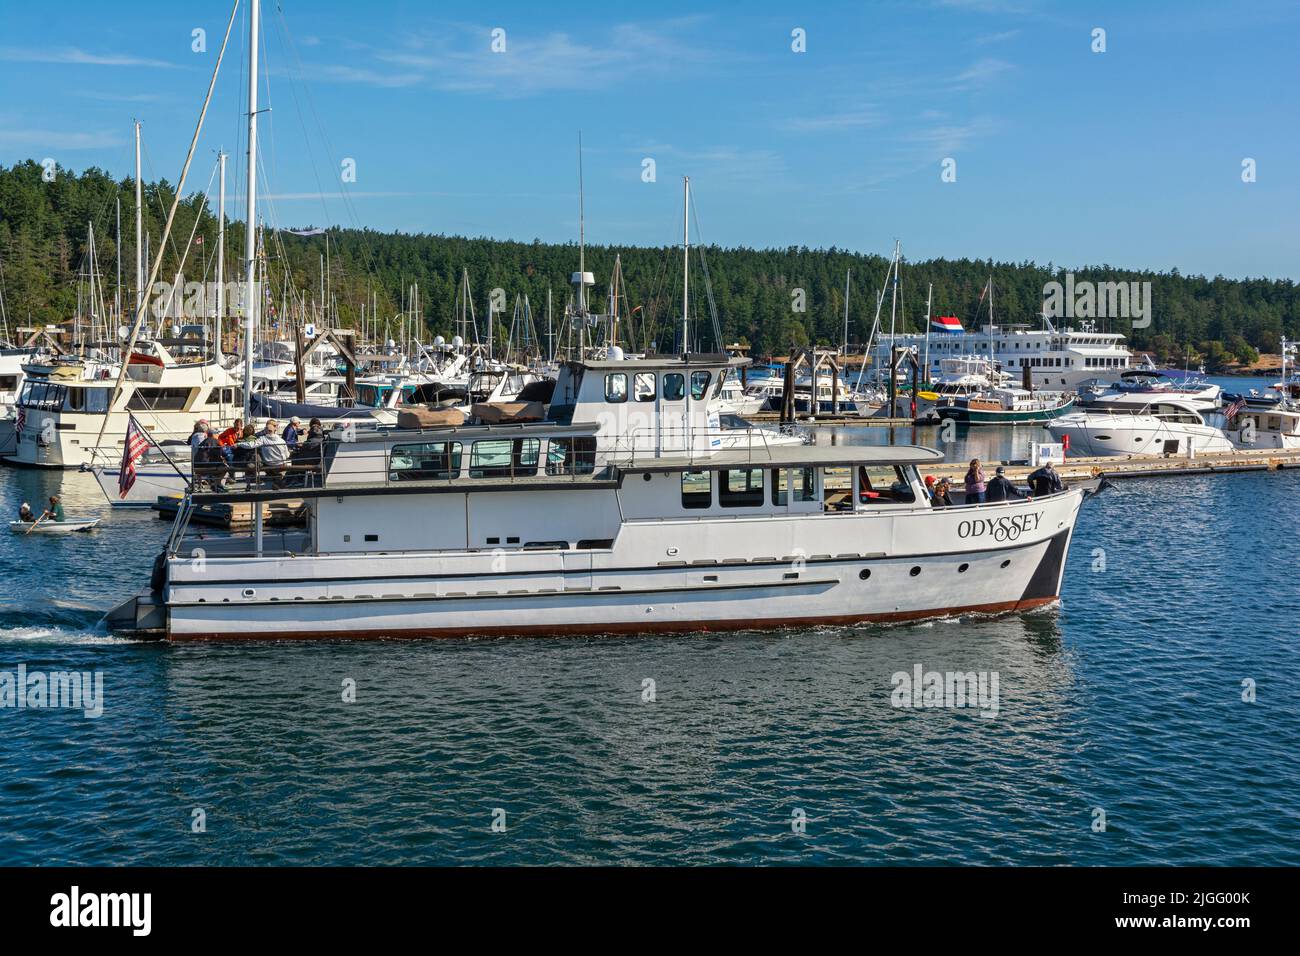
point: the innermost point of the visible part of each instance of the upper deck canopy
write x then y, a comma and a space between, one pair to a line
779, 456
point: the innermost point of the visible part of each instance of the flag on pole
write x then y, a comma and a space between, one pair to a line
135, 445
945, 323
21, 422
1231, 411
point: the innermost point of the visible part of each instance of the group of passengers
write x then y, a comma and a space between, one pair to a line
980, 489
269, 452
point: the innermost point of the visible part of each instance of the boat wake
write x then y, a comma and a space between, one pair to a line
56, 626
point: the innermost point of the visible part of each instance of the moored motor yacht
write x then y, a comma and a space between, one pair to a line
1166, 427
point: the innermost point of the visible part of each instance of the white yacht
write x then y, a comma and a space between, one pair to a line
1171, 426
735, 399
68, 408
611, 515
1139, 388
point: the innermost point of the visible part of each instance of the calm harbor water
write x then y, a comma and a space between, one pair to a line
1127, 698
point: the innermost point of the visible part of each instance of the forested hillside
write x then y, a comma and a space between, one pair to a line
43, 250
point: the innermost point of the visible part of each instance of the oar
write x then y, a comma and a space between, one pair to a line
35, 523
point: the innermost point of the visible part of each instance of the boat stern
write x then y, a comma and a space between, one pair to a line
143, 616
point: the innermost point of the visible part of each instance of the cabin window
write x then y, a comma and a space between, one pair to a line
697, 489
740, 488
97, 399
643, 386
722, 380
571, 456
426, 461
42, 395
616, 387
504, 457
699, 384
803, 481
883, 483
158, 399
674, 387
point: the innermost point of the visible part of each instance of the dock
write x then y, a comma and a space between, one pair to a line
1135, 466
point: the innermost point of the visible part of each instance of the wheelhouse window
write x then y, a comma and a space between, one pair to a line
43, 396
158, 399
674, 387
802, 481
740, 487
643, 386
722, 380
883, 483
504, 457
616, 387
425, 461
697, 489
571, 456
699, 384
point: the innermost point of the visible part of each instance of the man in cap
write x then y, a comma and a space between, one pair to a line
1002, 489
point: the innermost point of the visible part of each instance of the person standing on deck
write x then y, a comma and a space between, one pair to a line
1045, 481
975, 485
1002, 489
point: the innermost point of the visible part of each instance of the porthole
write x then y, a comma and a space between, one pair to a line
864, 573
962, 569
915, 571
1006, 563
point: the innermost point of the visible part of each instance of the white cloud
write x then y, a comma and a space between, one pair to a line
54, 140
982, 72
531, 63
851, 119
74, 55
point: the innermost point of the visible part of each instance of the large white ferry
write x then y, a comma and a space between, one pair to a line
1059, 359
622, 511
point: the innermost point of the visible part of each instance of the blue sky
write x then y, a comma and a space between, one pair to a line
1130, 157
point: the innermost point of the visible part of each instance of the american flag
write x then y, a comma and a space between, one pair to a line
21, 422
136, 444
1231, 411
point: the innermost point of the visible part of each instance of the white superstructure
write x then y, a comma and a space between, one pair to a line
1060, 359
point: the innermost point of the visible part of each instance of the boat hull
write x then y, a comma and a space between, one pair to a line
979, 416
304, 597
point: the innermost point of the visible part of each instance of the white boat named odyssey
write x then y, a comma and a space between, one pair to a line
612, 515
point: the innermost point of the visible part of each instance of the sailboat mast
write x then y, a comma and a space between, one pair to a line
251, 301
117, 299
139, 226
848, 274
221, 255
686, 265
